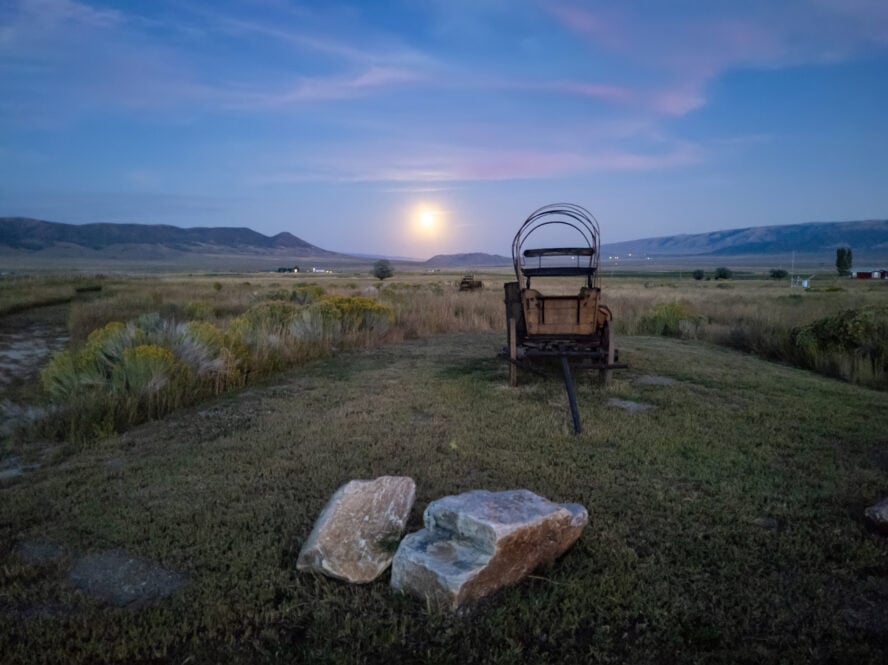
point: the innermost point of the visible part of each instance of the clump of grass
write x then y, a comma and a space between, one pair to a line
199, 311
146, 380
436, 308
127, 373
852, 344
666, 320
307, 293
362, 316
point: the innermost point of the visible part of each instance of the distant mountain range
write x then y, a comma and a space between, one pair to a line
31, 240
866, 237
32, 235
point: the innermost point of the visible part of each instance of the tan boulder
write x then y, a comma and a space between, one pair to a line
358, 531
478, 542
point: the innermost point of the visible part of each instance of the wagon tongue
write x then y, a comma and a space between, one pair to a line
571, 394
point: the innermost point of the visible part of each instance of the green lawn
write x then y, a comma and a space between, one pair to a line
725, 525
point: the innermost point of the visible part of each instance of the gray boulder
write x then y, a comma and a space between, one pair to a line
358, 531
478, 542
877, 515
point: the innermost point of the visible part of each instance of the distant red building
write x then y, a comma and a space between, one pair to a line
869, 274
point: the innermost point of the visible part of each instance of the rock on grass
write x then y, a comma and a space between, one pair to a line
479, 542
359, 529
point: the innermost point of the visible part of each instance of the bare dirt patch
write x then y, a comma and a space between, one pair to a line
41, 552
654, 380
116, 578
14, 467
27, 340
629, 405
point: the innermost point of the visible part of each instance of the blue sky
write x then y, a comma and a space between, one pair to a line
418, 127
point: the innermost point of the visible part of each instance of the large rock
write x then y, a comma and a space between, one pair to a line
358, 531
877, 515
478, 542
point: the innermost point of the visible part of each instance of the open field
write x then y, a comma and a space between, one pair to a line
725, 524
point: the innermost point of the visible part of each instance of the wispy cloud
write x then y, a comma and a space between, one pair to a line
59, 12
60, 48
389, 53
684, 54
427, 165
607, 92
28, 26
307, 90
593, 24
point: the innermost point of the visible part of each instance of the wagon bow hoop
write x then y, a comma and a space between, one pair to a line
565, 214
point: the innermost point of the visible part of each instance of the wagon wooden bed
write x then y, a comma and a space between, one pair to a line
575, 328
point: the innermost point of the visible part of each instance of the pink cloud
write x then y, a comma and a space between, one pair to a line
677, 102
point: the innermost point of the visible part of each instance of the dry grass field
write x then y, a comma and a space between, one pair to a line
726, 522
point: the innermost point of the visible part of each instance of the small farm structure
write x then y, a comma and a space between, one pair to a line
469, 283
870, 274
544, 322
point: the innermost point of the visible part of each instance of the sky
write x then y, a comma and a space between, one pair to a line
418, 127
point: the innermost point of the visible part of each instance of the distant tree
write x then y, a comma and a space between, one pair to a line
382, 269
698, 274
779, 273
843, 261
723, 273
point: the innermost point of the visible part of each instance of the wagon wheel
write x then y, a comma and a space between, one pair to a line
607, 342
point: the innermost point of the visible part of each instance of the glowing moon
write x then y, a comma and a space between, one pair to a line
426, 227
427, 222
427, 219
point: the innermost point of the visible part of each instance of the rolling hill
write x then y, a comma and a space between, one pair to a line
32, 235
866, 238
29, 242
471, 260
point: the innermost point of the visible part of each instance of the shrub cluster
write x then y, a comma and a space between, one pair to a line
127, 373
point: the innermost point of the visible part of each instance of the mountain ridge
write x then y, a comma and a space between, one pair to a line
25, 237
468, 260
869, 236
23, 233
